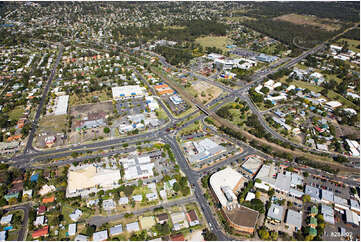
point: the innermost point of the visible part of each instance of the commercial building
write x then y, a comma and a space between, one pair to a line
137, 167
252, 164
152, 103
83, 180
355, 206
224, 184
205, 149
164, 89
266, 175
275, 213
326, 196
61, 103
294, 219
313, 192
125, 92
266, 58
328, 213
352, 218
176, 99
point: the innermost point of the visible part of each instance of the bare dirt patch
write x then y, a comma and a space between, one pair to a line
323, 23
206, 92
89, 108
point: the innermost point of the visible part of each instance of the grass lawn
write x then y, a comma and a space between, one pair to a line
335, 96
56, 123
351, 43
162, 114
12, 235
214, 41
17, 112
175, 27
85, 98
193, 127
66, 210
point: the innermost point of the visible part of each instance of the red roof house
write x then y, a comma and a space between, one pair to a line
41, 232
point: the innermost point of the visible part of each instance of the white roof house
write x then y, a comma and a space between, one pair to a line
123, 200
6, 219
133, 227
75, 215
224, 183
72, 229
118, 229
39, 221
100, 236
250, 196
333, 104
2, 235
61, 105
81, 237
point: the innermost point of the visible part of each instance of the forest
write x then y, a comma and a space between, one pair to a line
190, 31
343, 11
307, 36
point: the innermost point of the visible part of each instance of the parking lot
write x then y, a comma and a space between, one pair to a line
322, 183
131, 106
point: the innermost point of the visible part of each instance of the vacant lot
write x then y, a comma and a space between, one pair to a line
352, 44
85, 98
53, 124
205, 91
326, 24
17, 113
214, 41
80, 110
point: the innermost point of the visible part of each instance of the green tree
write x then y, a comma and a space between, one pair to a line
106, 130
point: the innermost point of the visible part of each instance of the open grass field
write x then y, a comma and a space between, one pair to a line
17, 112
326, 24
352, 44
175, 27
54, 123
88, 97
214, 41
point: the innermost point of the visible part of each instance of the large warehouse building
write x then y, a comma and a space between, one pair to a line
225, 183
125, 92
83, 180
61, 103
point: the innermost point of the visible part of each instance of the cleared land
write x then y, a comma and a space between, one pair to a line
88, 97
53, 123
205, 91
323, 23
16, 113
214, 41
352, 44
